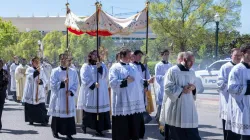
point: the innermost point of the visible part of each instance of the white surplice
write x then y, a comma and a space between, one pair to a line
87, 99
30, 90
12, 76
239, 121
47, 68
223, 90
180, 110
20, 80
57, 106
126, 100
160, 70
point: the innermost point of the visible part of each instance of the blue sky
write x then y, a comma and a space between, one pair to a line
12, 8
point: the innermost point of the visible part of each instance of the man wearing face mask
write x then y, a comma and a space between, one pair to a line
180, 87
13, 67
20, 78
161, 69
239, 89
225, 98
3, 86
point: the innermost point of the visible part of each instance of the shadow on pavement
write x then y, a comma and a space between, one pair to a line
11, 109
92, 132
18, 132
206, 126
7, 104
204, 134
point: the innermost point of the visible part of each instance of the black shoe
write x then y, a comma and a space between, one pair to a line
69, 137
44, 124
55, 135
99, 133
84, 129
31, 123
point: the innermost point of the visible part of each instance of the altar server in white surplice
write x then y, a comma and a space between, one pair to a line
63, 116
20, 79
225, 100
181, 89
47, 70
128, 105
87, 100
239, 89
165, 130
161, 69
34, 94
13, 66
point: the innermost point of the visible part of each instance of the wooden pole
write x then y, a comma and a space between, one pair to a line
67, 71
97, 48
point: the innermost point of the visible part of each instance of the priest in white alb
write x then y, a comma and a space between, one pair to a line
239, 89
225, 98
63, 83
13, 66
180, 111
34, 94
20, 78
128, 105
87, 100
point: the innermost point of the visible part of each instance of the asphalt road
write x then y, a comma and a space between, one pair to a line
14, 127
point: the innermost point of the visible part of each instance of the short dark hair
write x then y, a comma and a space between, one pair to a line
164, 51
116, 56
61, 55
245, 47
138, 52
35, 58
124, 52
234, 49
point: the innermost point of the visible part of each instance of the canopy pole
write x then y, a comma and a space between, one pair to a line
98, 59
147, 6
67, 71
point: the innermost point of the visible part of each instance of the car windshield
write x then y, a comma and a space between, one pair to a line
217, 65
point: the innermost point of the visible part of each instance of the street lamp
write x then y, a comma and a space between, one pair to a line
217, 20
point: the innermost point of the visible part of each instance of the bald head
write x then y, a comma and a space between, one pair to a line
188, 59
180, 57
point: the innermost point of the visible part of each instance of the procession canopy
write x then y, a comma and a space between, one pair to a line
108, 25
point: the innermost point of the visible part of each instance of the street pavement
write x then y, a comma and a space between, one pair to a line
14, 127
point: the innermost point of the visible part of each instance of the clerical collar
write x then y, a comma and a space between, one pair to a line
63, 68
137, 63
246, 65
92, 62
182, 68
122, 63
35, 68
16, 63
164, 62
232, 63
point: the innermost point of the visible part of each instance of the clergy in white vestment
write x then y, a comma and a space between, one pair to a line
47, 68
239, 89
144, 71
161, 69
34, 94
62, 103
78, 117
225, 100
20, 78
12, 94
88, 97
180, 111
128, 105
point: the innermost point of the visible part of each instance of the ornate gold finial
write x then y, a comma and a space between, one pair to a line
98, 4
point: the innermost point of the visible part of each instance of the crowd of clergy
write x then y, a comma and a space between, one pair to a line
97, 95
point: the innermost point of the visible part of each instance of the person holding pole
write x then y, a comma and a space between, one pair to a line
34, 94
87, 100
63, 82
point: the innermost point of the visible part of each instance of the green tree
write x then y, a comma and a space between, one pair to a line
186, 23
8, 37
52, 45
